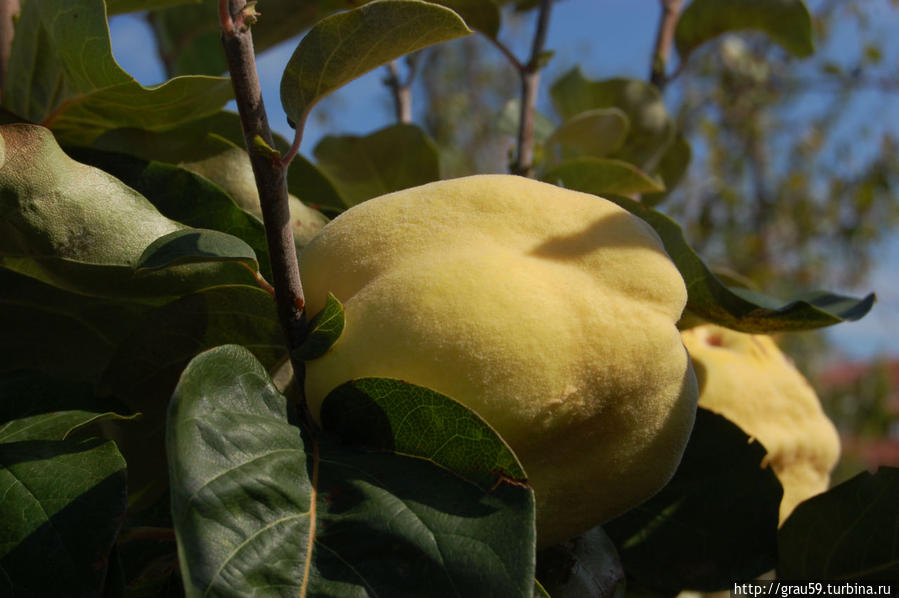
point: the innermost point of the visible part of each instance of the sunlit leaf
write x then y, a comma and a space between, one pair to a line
62, 74
601, 176
672, 168
394, 158
345, 46
787, 22
651, 128
741, 309
78, 228
595, 133
392, 415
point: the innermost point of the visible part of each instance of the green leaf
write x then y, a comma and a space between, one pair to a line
595, 133
396, 157
684, 536
193, 246
787, 22
710, 300
80, 229
324, 330
849, 532
583, 567
508, 119
601, 176
672, 168
651, 128
540, 591
56, 332
166, 187
54, 490
51, 426
261, 508
393, 415
62, 74
478, 14
345, 46
145, 368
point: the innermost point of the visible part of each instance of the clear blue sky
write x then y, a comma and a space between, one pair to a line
608, 38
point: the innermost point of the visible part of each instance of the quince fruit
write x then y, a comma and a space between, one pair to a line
550, 313
748, 380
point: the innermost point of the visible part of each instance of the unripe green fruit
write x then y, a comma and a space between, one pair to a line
747, 379
550, 313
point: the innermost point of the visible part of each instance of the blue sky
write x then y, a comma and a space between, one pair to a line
608, 38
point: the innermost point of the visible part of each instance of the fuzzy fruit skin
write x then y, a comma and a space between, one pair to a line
748, 380
550, 313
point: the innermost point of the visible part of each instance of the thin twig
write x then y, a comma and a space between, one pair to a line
270, 177
402, 94
507, 53
530, 84
664, 40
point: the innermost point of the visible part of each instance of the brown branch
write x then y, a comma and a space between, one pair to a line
270, 174
530, 84
664, 40
402, 94
8, 9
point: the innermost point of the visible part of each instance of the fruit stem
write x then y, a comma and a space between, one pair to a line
270, 181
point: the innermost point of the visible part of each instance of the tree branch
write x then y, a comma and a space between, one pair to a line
269, 170
402, 93
530, 84
664, 40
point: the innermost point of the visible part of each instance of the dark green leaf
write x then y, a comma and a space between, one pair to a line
583, 567
741, 309
54, 490
261, 508
508, 120
651, 128
601, 176
190, 40
345, 46
478, 14
672, 168
595, 133
684, 536
196, 245
51, 426
787, 22
145, 368
78, 228
394, 158
392, 415
62, 74
56, 332
167, 187
324, 330
847, 533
